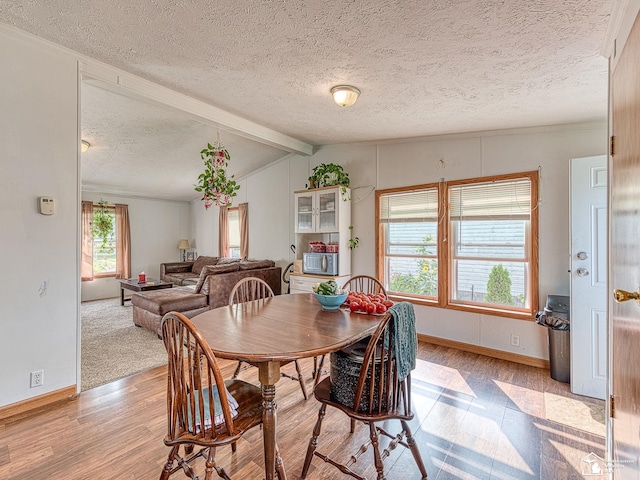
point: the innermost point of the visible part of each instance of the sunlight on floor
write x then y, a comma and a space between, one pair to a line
442, 376
582, 415
526, 400
481, 427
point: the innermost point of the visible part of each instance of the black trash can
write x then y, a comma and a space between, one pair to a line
555, 317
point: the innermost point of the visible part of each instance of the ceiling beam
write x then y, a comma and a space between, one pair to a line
119, 81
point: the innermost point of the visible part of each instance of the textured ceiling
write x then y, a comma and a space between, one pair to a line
424, 67
150, 150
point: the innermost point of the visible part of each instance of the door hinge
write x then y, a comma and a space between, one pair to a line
612, 144
612, 406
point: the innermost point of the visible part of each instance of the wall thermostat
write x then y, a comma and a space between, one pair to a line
46, 205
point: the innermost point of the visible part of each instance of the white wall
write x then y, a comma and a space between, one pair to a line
156, 229
204, 229
38, 156
403, 163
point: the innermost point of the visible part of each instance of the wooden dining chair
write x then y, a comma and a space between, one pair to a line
382, 392
203, 411
358, 283
249, 289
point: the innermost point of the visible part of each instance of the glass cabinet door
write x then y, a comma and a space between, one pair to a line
317, 211
304, 211
327, 211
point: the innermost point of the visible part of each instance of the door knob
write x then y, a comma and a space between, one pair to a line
582, 255
582, 272
624, 296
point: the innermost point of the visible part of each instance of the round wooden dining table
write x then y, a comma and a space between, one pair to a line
274, 331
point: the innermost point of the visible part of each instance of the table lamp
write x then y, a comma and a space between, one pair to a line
184, 246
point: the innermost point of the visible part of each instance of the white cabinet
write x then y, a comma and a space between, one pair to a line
300, 283
319, 210
324, 215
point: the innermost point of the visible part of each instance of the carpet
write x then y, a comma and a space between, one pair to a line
582, 415
112, 346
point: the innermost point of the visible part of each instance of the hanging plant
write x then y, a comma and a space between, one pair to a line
216, 188
353, 241
328, 175
103, 224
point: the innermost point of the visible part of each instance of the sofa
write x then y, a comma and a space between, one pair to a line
185, 273
211, 290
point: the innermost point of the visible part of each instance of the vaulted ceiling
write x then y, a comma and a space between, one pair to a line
424, 68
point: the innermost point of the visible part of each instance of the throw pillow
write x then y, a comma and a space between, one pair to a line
229, 267
203, 275
226, 261
214, 270
250, 264
201, 262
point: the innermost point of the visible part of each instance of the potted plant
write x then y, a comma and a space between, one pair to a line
102, 223
327, 175
216, 188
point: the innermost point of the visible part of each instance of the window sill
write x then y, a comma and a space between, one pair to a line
416, 301
104, 275
516, 315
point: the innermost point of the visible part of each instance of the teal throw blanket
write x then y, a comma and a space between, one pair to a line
406, 341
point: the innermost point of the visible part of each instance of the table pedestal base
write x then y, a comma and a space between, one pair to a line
269, 374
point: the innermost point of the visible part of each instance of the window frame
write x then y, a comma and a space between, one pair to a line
381, 242
445, 256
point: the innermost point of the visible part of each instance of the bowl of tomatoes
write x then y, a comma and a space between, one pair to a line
369, 303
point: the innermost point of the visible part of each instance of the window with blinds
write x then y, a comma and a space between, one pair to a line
409, 220
468, 244
490, 243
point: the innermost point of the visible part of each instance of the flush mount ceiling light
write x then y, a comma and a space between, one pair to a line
345, 95
85, 146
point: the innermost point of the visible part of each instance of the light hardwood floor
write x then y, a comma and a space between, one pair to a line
476, 418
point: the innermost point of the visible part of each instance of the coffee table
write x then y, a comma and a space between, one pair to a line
136, 286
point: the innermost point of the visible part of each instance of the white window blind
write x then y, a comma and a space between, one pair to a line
506, 200
413, 206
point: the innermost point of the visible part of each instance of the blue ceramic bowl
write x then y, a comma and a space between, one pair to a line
330, 302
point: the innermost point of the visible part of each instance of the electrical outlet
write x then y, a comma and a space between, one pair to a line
515, 340
37, 378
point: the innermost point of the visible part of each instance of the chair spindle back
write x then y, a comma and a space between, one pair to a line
249, 289
197, 404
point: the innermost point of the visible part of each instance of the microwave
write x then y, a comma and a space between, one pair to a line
320, 263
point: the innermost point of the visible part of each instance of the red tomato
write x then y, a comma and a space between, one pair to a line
371, 308
388, 303
354, 306
380, 308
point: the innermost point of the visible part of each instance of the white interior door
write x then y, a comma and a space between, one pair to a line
589, 276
